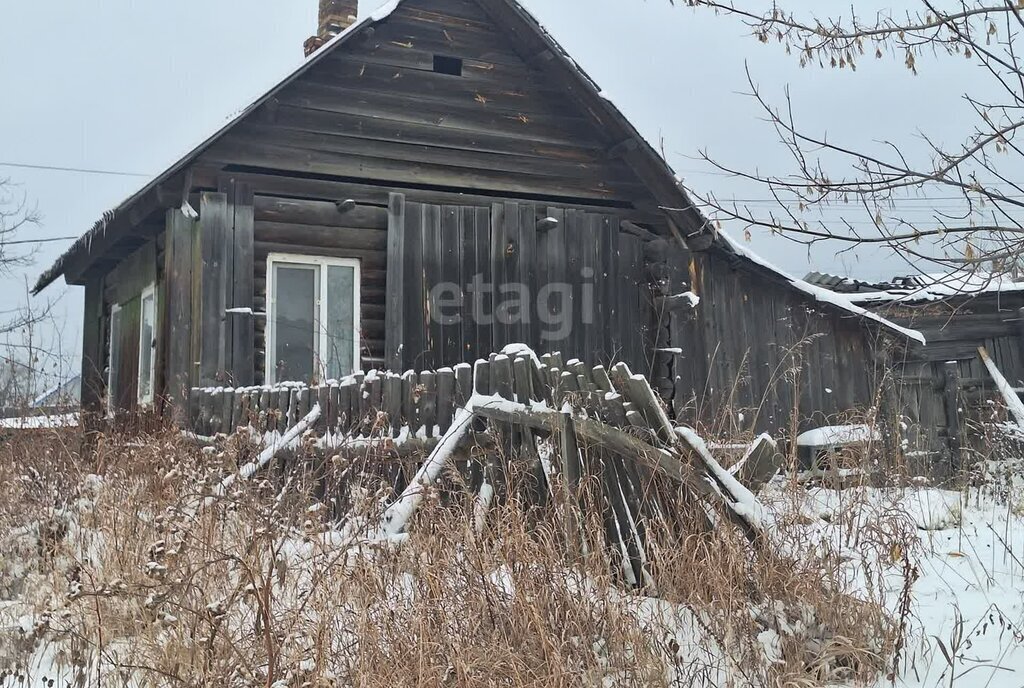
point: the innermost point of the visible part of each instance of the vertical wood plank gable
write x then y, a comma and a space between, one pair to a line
241, 323
394, 316
215, 225
178, 326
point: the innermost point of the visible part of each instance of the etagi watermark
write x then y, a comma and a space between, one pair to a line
557, 306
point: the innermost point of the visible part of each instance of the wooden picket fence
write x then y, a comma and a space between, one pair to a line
609, 443
349, 407
375, 403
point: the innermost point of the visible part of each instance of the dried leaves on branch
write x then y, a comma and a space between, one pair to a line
978, 224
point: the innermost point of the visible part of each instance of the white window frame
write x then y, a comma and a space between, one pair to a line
115, 309
147, 400
321, 263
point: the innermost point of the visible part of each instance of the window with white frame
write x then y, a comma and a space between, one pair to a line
313, 323
139, 312
147, 344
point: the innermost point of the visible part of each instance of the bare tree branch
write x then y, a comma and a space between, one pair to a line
851, 193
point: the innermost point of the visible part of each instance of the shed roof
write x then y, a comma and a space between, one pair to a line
922, 287
648, 164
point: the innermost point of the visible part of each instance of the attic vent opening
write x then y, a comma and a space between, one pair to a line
448, 65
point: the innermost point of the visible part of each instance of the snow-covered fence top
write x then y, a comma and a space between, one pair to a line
374, 404
600, 423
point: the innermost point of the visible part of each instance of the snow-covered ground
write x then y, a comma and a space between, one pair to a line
959, 553
966, 620
40, 421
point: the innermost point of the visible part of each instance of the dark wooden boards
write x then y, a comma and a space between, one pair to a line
180, 278
754, 350
477, 279
240, 316
214, 238
395, 305
377, 111
93, 355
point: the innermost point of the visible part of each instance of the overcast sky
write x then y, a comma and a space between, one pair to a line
127, 86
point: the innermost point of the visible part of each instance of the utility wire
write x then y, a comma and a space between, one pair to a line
36, 241
766, 202
80, 170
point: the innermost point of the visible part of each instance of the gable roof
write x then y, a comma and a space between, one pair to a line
686, 220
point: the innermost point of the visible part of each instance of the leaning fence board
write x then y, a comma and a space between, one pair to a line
607, 428
759, 464
1013, 402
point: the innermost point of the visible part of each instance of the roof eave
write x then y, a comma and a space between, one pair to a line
83, 243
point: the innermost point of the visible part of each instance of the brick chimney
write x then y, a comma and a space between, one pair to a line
335, 17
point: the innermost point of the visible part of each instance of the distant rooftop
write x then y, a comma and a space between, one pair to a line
921, 287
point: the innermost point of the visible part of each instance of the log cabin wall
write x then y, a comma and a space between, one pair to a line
317, 228
463, 120
437, 97
440, 106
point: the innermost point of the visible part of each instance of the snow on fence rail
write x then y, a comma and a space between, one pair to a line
564, 423
422, 404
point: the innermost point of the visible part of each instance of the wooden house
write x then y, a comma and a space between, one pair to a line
435, 181
957, 313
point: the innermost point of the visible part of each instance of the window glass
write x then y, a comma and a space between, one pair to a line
147, 342
295, 323
340, 321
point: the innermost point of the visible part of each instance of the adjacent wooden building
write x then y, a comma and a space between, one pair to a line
436, 181
945, 384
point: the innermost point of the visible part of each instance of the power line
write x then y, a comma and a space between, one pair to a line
916, 199
79, 170
37, 241
766, 202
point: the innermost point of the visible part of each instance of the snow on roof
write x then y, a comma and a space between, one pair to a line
938, 286
821, 294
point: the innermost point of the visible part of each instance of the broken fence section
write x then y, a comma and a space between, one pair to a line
576, 428
366, 405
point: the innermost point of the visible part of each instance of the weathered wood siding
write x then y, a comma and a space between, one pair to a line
755, 352
226, 285
121, 286
178, 352
478, 159
376, 118
954, 329
377, 112
467, 280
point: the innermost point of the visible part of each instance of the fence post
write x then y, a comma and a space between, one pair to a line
951, 397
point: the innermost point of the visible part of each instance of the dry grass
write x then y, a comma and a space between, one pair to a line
111, 558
